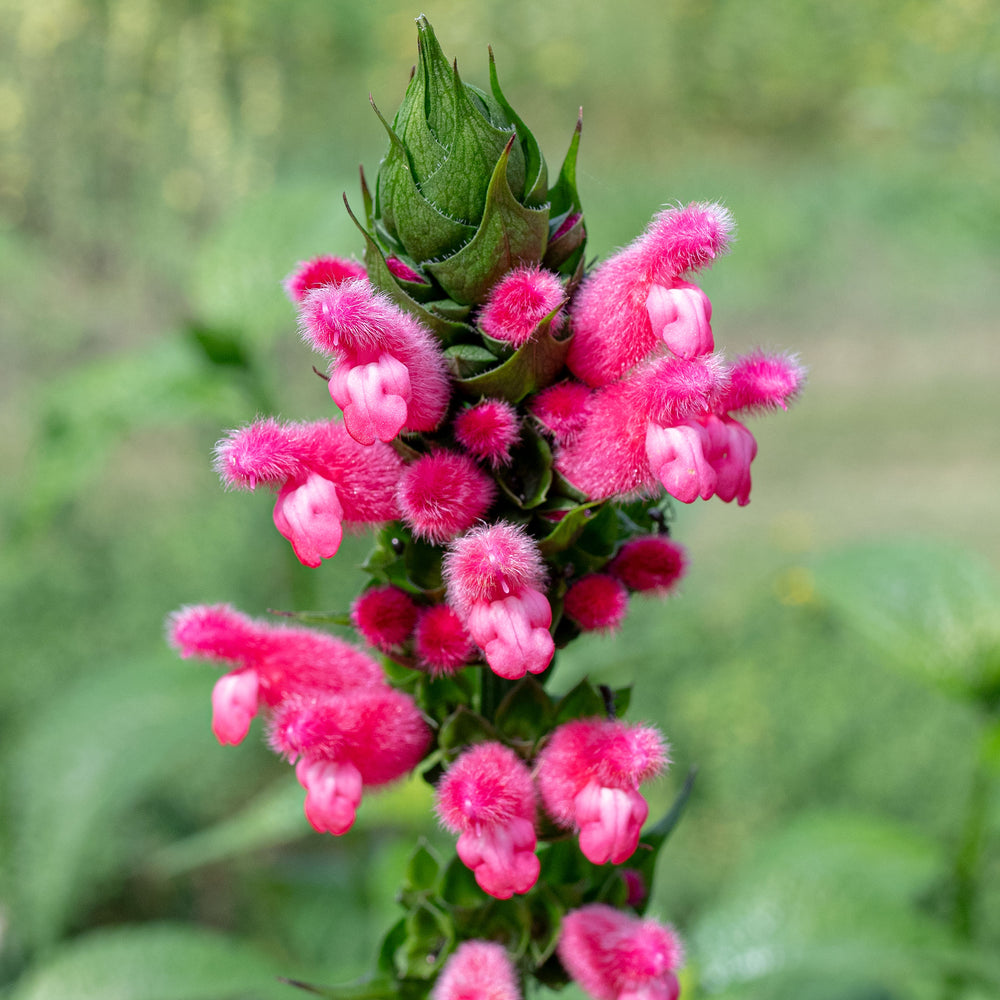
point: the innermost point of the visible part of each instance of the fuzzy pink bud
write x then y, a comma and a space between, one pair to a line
519, 302
653, 564
478, 970
443, 494
321, 271
384, 616
637, 297
597, 603
234, 704
487, 797
488, 431
400, 269
562, 409
441, 642
589, 775
389, 373
761, 382
615, 956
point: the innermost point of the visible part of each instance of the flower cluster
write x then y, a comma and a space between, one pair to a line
514, 429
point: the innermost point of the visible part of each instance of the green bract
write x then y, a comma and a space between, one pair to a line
462, 195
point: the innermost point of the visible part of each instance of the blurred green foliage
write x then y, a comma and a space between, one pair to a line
162, 165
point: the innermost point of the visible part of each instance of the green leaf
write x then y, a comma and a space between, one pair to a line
568, 529
463, 728
583, 702
429, 940
459, 887
526, 711
528, 477
458, 187
535, 170
224, 348
342, 618
932, 610
383, 279
536, 364
563, 196
509, 234
424, 230
423, 869
466, 360
153, 962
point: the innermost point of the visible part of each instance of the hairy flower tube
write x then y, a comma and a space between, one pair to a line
388, 372
488, 431
345, 742
487, 797
494, 575
636, 299
478, 970
321, 271
440, 641
597, 602
650, 564
589, 775
274, 662
615, 956
323, 476
384, 617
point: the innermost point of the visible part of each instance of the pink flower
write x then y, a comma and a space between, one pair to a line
637, 298
388, 374
384, 616
440, 640
519, 302
730, 449
563, 409
443, 494
272, 662
488, 431
493, 575
321, 271
478, 970
610, 455
653, 564
760, 382
597, 603
615, 956
343, 742
589, 775
676, 455
487, 797
322, 475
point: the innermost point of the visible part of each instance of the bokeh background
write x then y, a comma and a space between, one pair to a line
833, 665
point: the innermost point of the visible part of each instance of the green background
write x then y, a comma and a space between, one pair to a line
832, 664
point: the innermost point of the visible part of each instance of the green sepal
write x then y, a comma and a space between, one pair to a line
563, 195
459, 185
502, 349
532, 367
385, 281
468, 360
535, 169
439, 80
410, 123
423, 871
424, 230
582, 702
415, 568
526, 480
430, 938
366, 201
459, 887
450, 309
568, 529
509, 234
463, 728
526, 712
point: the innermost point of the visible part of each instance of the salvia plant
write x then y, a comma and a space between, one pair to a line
515, 426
